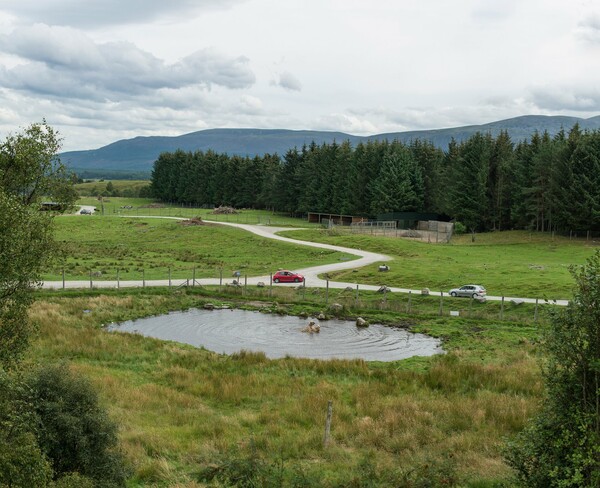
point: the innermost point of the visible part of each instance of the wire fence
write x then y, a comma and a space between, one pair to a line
352, 299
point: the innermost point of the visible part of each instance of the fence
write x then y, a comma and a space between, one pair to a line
354, 300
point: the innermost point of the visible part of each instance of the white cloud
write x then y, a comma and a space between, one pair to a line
567, 98
288, 81
65, 63
92, 13
589, 29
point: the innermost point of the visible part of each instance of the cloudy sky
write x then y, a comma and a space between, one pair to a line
104, 70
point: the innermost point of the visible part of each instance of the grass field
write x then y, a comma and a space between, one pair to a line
144, 206
514, 263
94, 188
190, 417
149, 247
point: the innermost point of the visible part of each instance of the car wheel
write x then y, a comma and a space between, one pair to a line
296, 280
276, 280
453, 294
474, 295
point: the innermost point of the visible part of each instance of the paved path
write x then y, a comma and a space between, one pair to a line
311, 274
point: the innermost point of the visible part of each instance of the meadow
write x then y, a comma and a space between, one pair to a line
190, 417
137, 247
510, 263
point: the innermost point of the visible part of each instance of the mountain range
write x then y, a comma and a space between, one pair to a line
138, 154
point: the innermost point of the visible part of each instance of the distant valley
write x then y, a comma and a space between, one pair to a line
137, 155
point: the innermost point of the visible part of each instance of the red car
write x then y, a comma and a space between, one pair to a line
284, 276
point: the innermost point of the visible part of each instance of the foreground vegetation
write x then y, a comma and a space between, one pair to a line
190, 416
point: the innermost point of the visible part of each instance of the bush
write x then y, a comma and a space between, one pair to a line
74, 432
460, 228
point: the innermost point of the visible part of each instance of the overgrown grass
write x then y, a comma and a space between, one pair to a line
512, 263
190, 416
139, 247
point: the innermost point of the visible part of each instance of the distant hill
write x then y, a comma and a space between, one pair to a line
138, 154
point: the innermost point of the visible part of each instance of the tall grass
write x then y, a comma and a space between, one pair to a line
184, 410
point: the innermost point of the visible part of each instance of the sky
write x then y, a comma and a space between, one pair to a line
103, 70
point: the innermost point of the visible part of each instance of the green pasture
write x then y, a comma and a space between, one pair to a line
512, 263
94, 188
111, 206
148, 248
190, 417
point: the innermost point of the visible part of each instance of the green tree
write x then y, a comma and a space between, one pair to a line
561, 446
29, 171
399, 186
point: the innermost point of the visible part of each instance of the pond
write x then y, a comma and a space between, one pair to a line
229, 331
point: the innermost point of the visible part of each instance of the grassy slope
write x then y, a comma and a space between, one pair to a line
515, 263
182, 409
131, 245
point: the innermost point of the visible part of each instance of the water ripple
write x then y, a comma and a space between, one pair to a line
229, 331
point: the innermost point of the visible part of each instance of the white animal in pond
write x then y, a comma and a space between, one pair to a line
312, 327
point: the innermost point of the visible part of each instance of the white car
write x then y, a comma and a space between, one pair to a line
470, 291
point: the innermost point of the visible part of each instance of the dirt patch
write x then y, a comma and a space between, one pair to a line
224, 211
192, 221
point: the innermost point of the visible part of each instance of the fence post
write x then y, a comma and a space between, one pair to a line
91, 286
118, 284
328, 423
169, 277
441, 303
63, 275
471, 306
327, 293
384, 296
303, 289
535, 313
221, 279
356, 299
143, 278
270, 285
194, 277
502, 308
409, 299
245, 283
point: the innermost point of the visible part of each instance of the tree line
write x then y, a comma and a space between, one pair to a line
486, 182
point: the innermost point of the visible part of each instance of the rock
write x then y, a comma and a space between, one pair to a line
209, 306
383, 289
425, 291
303, 315
516, 301
321, 316
336, 307
360, 322
384, 267
348, 288
260, 284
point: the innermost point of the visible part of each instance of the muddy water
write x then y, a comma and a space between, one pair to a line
229, 331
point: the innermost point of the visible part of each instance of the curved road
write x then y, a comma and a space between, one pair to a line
311, 273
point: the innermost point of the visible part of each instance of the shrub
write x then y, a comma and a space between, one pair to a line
74, 432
